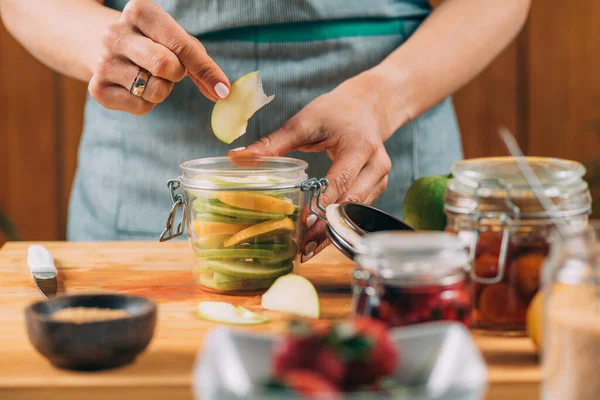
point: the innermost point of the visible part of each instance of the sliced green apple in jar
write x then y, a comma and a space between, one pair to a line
284, 256
236, 212
252, 269
238, 253
211, 217
211, 241
239, 285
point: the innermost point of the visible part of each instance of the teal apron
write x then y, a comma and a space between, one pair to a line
303, 48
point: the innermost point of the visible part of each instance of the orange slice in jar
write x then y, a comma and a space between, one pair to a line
265, 229
203, 228
257, 202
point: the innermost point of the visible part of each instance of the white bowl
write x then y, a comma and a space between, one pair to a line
438, 360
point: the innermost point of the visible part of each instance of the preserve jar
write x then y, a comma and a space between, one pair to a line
242, 219
405, 278
571, 334
493, 210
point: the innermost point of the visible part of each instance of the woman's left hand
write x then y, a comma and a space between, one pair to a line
347, 124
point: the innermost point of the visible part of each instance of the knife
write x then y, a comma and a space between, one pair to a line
42, 268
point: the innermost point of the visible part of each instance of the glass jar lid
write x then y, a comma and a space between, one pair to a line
413, 258
220, 173
496, 185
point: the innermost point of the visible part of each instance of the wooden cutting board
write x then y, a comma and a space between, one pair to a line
162, 272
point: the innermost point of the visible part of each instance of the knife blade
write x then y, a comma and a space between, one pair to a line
42, 268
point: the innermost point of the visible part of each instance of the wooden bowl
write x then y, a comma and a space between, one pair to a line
91, 345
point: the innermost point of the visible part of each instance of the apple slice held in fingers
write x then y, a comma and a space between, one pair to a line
230, 116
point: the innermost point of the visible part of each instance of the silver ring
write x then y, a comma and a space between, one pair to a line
140, 82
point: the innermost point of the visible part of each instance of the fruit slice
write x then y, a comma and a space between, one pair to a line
249, 269
235, 253
534, 323
528, 268
501, 304
234, 181
286, 255
239, 285
203, 228
216, 311
229, 211
219, 277
265, 229
203, 216
292, 294
230, 116
212, 241
258, 202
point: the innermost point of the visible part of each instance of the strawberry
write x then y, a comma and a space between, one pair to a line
330, 365
311, 385
380, 360
294, 353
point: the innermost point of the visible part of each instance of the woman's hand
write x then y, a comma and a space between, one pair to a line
146, 36
347, 125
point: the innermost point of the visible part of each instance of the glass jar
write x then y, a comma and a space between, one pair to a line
495, 213
405, 278
242, 220
571, 340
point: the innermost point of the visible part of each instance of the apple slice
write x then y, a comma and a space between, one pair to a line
292, 294
225, 313
230, 116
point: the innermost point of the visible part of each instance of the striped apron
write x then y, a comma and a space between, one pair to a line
303, 48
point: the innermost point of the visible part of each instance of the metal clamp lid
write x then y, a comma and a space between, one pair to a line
507, 221
178, 202
352, 220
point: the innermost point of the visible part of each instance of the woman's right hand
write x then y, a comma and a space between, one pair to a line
146, 36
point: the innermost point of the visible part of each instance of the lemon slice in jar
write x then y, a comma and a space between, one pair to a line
230, 116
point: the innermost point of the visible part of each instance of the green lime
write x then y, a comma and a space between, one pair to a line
423, 207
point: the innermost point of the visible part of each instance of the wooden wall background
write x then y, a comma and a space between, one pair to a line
545, 88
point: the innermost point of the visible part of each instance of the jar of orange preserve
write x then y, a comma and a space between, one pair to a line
507, 231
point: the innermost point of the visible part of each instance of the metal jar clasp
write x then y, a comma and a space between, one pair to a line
315, 186
507, 221
173, 230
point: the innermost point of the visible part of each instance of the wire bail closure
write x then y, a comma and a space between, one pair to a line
507, 221
318, 186
178, 202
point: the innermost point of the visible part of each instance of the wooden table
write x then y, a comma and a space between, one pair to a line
162, 272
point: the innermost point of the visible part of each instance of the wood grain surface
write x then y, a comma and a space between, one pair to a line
544, 87
162, 272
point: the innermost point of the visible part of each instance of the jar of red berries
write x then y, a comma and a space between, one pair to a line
493, 210
405, 278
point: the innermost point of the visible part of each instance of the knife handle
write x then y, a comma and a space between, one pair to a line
39, 259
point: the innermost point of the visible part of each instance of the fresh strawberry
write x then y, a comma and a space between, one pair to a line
330, 365
380, 360
311, 385
293, 353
